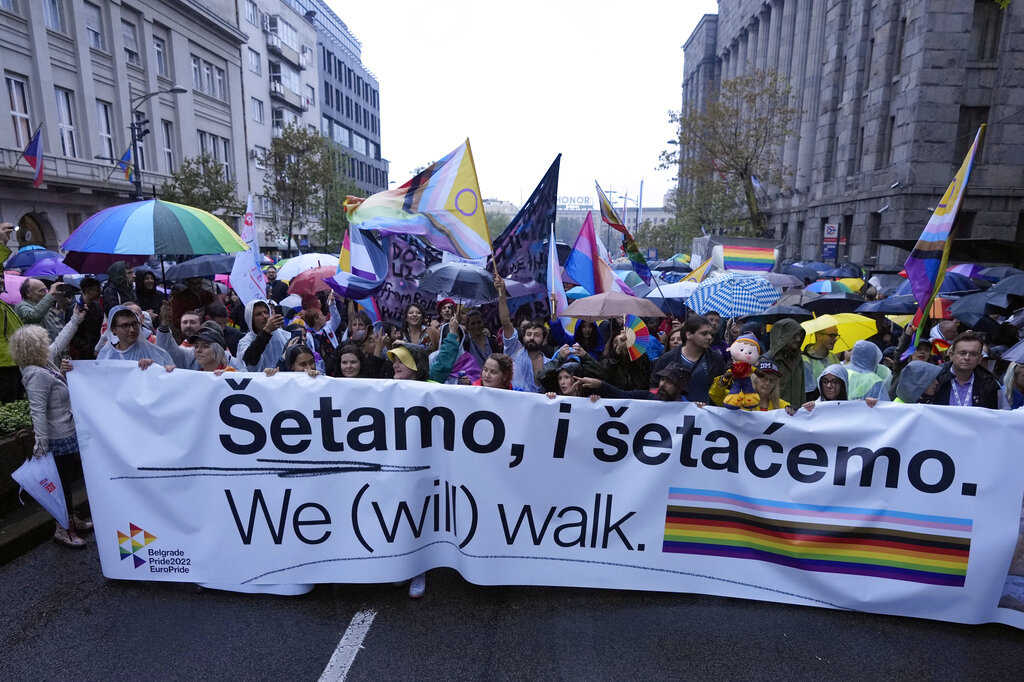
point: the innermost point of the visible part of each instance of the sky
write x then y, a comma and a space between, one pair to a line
527, 80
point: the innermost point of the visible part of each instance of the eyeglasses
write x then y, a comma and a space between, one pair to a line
831, 382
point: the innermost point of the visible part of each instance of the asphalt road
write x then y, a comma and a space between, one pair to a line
60, 619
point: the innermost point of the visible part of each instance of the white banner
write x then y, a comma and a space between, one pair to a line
290, 479
247, 277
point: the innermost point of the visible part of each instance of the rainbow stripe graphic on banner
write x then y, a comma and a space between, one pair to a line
878, 543
748, 258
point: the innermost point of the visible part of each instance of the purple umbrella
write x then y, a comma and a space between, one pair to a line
95, 263
49, 268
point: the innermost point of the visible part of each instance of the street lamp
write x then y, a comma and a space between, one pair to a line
139, 131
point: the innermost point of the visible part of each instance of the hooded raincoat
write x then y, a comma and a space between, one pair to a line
789, 360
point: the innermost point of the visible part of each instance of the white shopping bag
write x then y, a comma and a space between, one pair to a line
38, 476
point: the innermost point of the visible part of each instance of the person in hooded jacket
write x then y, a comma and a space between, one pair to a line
129, 342
917, 382
865, 377
832, 387
264, 345
118, 290
786, 339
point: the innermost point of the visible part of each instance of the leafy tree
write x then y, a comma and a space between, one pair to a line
200, 182
334, 220
734, 135
300, 164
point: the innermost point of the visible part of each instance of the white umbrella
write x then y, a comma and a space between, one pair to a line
306, 261
677, 291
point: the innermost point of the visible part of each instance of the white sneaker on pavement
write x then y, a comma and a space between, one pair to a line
418, 586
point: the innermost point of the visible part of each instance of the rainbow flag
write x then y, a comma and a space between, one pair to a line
879, 543
126, 165
926, 265
442, 204
750, 258
608, 214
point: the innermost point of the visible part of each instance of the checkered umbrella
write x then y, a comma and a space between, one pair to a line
733, 296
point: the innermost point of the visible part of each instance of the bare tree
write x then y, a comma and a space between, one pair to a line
735, 135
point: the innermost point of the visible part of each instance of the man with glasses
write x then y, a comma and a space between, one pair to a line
963, 382
125, 325
817, 356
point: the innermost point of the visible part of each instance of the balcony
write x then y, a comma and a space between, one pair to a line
62, 174
282, 94
278, 47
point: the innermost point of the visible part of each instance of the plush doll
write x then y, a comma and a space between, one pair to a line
745, 352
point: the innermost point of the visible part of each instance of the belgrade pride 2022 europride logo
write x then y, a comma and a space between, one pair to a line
130, 543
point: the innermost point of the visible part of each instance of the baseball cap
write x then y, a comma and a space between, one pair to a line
210, 332
767, 366
677, 374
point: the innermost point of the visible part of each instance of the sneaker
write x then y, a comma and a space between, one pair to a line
68, 538
418, 586
80, 525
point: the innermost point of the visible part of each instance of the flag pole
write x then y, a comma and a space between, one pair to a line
21, 156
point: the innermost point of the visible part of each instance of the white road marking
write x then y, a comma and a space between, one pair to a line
351, 642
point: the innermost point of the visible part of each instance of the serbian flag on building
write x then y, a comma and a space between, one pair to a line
926, 265
442, 205
586, 267
33, 154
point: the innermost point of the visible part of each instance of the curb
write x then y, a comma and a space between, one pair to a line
26, 528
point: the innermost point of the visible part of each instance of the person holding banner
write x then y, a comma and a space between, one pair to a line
298, 357
832, 387
411, 363
128, 343
50, 408
526, 354
963, 382
673, 385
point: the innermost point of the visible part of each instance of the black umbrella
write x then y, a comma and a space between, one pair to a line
672, 266
1000, 272
202, 266
845, 270
886, 283
896, 305
974, 307
1007, 293
834, 303
800, 271
461, 281
779, 312
798, 297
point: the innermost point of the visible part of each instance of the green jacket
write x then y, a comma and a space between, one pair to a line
789, 362
10, 320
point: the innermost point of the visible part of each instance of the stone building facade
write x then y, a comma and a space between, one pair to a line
890, 95
79, 67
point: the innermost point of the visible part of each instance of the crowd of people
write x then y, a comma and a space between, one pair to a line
196, 329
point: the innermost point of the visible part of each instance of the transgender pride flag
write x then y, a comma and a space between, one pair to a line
587, 268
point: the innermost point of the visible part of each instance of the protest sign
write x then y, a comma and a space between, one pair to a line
248, 479
408, 263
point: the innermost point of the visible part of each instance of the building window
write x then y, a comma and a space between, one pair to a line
889, 130
257, 109
160, 56
208, 78
971, 119
310, 96
286, 76
197, 73
19, 111
8, 5
963, 224
225, 145
259, 154
139, 117
105, 127
985, 29
285, 31
859, 152
252, 12
66, 121
167, 129
255, 62
94, 26
53, 14
218, 83
131, 43
901, 41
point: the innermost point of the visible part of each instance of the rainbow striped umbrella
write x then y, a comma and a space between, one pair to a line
827, 286
154, 227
